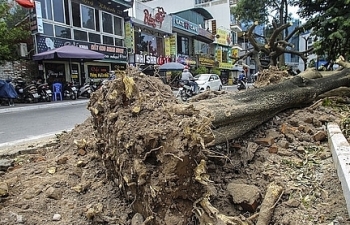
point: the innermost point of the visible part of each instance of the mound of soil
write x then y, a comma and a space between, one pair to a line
141, 158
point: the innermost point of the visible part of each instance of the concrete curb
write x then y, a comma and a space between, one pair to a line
340, 149
17, 108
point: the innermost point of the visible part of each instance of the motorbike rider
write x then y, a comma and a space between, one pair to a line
187, 76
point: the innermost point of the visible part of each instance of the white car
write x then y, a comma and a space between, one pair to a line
208, 82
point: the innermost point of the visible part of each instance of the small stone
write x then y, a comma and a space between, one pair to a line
61, 161
56, 217
273, 149
81, 164
320, 136
308, 120
137, 219
300, 149
81, 152
283, 144
267, 141
293, 203
4, 189
19, 219
5, 164
54, 193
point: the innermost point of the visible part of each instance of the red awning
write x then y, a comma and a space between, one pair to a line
26, 3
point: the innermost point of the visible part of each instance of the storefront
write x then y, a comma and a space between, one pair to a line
93, 25
223, 51
145, 36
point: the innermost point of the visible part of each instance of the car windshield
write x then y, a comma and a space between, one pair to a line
202, 76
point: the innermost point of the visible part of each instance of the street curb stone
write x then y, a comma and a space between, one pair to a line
340, 149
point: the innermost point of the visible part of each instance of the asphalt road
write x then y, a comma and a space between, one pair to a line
23, 125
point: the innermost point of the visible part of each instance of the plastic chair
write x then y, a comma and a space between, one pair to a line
56, 90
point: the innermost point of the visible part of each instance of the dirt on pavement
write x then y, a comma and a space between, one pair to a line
66, 181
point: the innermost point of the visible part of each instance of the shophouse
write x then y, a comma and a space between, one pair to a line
146, 35
193, 42
90, 24
220, 23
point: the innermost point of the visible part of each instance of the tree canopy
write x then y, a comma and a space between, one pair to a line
13, 30
329, 21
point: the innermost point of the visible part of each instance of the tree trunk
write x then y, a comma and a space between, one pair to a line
237, 113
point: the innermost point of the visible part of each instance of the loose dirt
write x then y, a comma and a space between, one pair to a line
111, 170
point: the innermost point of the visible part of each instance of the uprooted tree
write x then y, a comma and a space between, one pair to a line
160, 166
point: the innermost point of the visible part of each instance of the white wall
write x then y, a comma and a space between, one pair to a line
220, 9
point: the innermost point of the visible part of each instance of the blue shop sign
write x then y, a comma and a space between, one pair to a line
185, 25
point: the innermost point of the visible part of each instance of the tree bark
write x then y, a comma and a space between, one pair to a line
237, 113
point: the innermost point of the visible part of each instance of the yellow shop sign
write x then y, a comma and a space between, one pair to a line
227, 66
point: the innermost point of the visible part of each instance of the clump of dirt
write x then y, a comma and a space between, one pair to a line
272, 75
142, 158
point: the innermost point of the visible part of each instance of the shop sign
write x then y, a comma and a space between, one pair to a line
150, 59
204, 61
185, 59
118, 66
36, 20
98, 71
45, 43
204, 33
129, 36
170, 45
156, 20
223, 37
223, 65
185, 25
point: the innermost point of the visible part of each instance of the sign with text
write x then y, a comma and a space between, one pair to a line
98, 71
155, 18
185, 25
45, 43
150, 60
223, 37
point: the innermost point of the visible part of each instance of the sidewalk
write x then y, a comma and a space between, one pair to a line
30, 106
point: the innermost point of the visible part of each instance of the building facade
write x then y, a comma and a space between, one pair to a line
94, 25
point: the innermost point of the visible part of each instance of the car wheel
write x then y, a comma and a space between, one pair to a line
220, 88
208, 88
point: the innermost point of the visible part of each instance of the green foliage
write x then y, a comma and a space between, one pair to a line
215, 70
329, 21
200, 70
12, 31
248, 14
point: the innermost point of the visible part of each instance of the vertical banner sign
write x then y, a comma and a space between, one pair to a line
235, 52
167, 46
173, 45
213, 27
39, 17
129, 37
219, 54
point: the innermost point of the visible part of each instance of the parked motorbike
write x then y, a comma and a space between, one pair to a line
44, 91
186, 90
70, 91
26, 93
242, 84
86, 90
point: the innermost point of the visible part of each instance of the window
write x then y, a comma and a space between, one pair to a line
118, 26
80, 35
76, 14
62, 32
48, 29
94, 37
107, 24
58, 11
119, 42
88, 17
53, 10
183, 45
108, 40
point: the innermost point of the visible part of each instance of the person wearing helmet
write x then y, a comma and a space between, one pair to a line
187, 77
